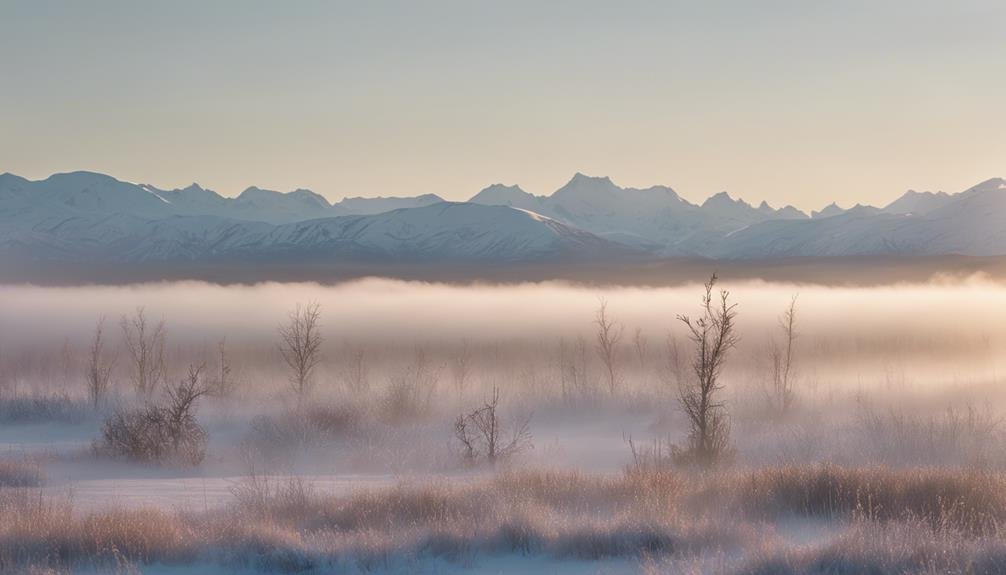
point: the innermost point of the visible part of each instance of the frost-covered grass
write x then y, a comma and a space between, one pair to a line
883, 521
20, 472
890, 459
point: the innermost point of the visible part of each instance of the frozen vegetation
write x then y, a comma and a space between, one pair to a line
391, 427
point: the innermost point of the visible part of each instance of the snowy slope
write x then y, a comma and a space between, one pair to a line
366, 206
502, 195
100, 194
654, 218
451, 231
917, 203
86, 216
441, 232
972, 222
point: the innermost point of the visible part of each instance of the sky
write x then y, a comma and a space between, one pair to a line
792, 102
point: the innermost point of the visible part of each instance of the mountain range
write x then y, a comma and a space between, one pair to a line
86, 216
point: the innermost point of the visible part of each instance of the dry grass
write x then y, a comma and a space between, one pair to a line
20, 472
886, 549
970, 501
890, 522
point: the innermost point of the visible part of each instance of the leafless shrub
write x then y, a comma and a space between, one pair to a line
67, 363
280, 438
712, 336
573, 377
780, 392
160, 433
355, 373
481, 435
652, 457
301, 348
609, 334
461, 370
410, 393
223, 384
145, 345
641, 344
276, 440
99, 367
954, 436
333, 420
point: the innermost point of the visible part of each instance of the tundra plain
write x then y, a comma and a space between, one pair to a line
388, 426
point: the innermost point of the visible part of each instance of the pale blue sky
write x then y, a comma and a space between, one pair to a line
789, 101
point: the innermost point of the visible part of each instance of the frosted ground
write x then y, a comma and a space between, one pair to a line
890, 456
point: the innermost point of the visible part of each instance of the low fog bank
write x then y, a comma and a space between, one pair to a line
400, 360
848, 271
951, 313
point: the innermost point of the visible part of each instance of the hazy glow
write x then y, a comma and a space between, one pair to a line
953, 317
791, 102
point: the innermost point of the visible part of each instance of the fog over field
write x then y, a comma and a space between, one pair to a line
375, 461
957, 325
384, 310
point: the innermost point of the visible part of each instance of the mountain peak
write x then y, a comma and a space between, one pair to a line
832, 209
499, 187
9, 177
723, 199
587, 190
580, 177
310, 196
989, 185
82, 177
254, 190
503, 195
917, 203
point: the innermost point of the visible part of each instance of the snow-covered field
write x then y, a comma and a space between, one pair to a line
889, 456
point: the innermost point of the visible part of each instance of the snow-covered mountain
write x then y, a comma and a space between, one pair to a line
84, 216
100, 194
917, 203
972, 222
655, 218
96, 218
832, 209
365, 206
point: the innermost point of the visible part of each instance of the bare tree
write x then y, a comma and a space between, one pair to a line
145, 344
301, 348
461, 370
410, 392
642, 345
99, 368
609, 333
224, 383
781, 392
565, 370
67, 363
482, 435
675, 372
183, 430
355, 374
160, 432
712, 336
